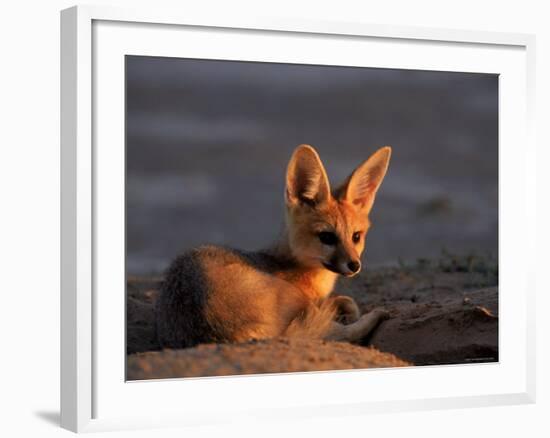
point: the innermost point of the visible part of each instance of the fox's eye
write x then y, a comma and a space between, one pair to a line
328, 238
356, 237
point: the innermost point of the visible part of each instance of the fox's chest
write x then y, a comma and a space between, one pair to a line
315, 284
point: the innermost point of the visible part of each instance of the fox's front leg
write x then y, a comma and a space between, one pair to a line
347, 310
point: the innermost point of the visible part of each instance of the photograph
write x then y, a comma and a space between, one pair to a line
304, 218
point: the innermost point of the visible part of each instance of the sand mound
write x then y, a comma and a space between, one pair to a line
272, 356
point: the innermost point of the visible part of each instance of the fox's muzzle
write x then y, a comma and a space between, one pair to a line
347, 269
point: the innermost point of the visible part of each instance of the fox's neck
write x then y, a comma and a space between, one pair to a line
315, 282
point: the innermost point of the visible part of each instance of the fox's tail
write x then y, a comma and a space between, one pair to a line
315, 322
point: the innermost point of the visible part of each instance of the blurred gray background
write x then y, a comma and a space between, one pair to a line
208, 143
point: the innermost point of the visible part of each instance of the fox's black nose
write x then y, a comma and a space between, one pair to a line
354, 266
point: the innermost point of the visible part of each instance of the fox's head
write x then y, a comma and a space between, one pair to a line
328, 228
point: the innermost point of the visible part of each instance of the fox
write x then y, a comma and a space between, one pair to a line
215, 294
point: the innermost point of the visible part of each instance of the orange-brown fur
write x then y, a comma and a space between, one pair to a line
214, 294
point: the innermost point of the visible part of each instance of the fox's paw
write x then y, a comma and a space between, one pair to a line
380, 314
347, 310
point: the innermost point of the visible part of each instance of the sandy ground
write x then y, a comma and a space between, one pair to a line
443, 311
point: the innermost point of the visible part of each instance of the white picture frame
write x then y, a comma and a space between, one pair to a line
93, 395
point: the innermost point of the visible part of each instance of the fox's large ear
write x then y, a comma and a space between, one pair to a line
361, 186
306, 179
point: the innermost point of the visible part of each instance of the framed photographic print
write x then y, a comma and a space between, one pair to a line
257, 208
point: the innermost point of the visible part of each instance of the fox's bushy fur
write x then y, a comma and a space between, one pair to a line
216, 294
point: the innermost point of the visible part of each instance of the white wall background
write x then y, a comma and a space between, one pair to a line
29, 215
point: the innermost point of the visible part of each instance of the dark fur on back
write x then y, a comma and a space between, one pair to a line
263, 260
